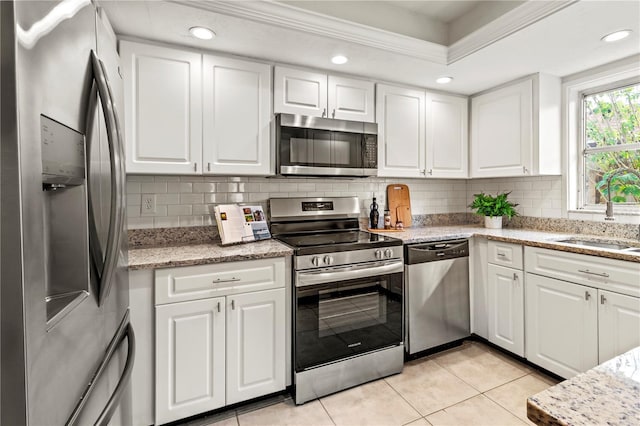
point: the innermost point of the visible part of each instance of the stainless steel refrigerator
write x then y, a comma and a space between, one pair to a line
66, 344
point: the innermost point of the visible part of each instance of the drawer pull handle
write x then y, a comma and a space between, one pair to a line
599, 274
228, 280
502, 255
587, 295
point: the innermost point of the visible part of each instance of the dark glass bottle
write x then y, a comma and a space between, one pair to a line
374, 215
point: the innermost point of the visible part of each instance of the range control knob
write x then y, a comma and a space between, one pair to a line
328, 260
315, 261
378, 254
388, 253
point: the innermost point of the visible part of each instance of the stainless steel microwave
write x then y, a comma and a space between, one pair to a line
314, 146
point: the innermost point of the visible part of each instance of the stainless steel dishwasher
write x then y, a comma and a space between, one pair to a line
436, 294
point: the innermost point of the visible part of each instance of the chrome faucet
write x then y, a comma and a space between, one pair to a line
609, 212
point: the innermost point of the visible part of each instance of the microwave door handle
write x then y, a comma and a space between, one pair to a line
116, 216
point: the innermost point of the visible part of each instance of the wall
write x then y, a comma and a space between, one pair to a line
539, 196
189, 200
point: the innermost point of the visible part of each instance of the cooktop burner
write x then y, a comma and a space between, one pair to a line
337, 241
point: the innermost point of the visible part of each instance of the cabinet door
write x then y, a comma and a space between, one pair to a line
401, 137
190, 358
506, 308
300, 92
618, 324
163, 109
561, 323
446, 139
255, 344
351, 99
237, 113
502, 132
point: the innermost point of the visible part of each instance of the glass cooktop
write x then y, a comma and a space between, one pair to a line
337, 241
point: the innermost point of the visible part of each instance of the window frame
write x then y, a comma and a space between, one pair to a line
584, 150
611, 74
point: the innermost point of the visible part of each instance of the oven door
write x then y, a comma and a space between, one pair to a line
340, 319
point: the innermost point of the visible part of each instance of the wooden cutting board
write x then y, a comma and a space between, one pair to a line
399, 202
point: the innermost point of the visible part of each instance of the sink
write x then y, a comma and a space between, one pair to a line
599, 244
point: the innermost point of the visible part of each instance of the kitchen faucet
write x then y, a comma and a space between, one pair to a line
609, 212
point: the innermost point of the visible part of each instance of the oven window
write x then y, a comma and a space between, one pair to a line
339, 320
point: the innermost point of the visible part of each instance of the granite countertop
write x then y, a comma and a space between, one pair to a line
171, 254
202, 254
607, 394
519, 236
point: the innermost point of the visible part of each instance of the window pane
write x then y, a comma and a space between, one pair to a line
625, 188
612, 117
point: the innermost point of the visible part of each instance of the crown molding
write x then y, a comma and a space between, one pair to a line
505, 25
290, 17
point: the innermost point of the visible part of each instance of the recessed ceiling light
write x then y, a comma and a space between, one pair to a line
618, 35
202, 33
444, 80
339, 59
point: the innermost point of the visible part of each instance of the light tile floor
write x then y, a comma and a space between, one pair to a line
472, 384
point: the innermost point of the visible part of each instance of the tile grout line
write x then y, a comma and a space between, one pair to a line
405, 400
326, 411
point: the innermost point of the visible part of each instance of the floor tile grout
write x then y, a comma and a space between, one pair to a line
325, 410
405, 400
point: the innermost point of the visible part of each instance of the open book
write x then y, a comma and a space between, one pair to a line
241, 224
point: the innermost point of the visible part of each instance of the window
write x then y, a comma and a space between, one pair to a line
610, 141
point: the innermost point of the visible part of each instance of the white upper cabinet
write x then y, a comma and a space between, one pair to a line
300, 92
237, 113
163, 118
310, 93
515, 130
447, 136
400, 114
351, 99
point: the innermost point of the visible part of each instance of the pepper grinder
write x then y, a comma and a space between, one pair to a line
374, 215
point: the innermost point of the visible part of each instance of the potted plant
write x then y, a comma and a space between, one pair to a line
493, 208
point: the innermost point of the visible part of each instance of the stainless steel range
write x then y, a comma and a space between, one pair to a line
348, 295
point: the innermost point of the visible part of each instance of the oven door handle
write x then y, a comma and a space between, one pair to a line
307, 278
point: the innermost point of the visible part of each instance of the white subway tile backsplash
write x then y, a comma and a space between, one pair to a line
206, 187
180, 210
189, 200
193, 198
153, 187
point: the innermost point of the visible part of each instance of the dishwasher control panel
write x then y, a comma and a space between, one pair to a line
434, 251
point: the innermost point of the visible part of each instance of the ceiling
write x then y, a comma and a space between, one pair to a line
480, 43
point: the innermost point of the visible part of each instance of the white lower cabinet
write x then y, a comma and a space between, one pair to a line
561, 325
618, 324
216, 351
255, 344
506, 308
190, 358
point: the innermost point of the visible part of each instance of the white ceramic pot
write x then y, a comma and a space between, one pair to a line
493, 222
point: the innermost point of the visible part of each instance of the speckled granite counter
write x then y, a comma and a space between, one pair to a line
519, 236
605, 395
202, 254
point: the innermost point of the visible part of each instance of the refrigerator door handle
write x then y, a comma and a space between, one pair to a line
116, 217
124, 331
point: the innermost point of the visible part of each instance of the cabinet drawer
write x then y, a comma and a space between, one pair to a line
607, 274
505, 254
199, 282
